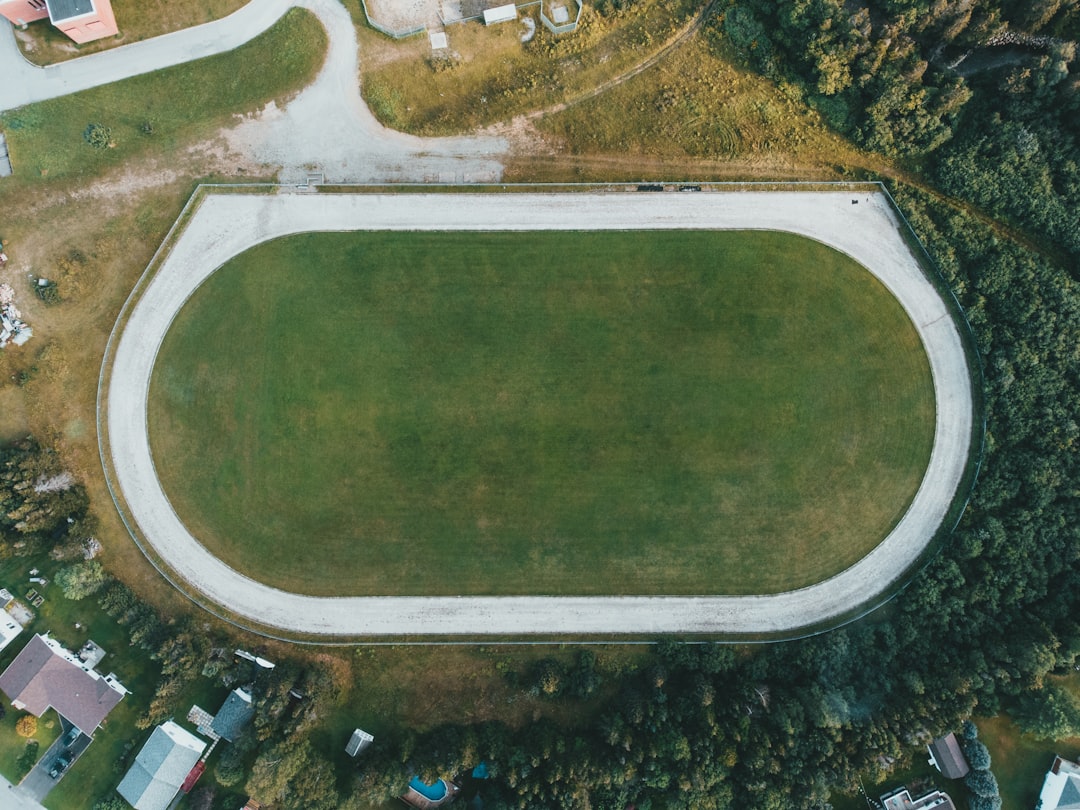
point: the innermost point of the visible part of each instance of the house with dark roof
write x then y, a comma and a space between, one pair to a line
81, 20
45, 675
161, 767
1061, 787
234, 715
946, 756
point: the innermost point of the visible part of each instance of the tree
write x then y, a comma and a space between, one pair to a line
229, 770
1051, 713
110, 803
82, 579
26, 726
982, 783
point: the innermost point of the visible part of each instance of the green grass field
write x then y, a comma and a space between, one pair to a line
585, 413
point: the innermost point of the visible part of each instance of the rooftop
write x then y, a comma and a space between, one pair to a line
45, 674
161, 767
235, 713
1061, 788
901, 800
67, 9
946, 756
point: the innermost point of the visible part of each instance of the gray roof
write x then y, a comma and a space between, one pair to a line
1070, 795
235, 713
44, 674
948, 757
66, 9
161, 767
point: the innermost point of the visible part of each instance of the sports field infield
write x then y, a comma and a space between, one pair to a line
541, 413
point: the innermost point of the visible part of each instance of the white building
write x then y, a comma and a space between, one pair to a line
1061, 788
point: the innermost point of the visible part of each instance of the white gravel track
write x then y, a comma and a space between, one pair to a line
225, 225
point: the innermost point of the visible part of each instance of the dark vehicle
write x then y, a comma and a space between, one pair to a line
60, 765
71, 736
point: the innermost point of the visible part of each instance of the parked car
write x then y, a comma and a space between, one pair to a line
71, 736
60, 765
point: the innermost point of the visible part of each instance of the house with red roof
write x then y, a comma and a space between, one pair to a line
46, 675
82, 20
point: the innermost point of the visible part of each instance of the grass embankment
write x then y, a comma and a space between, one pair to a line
180, 105
44, 44
696, 103
542, 413
496, 76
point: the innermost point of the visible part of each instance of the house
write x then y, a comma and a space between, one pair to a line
946, 756
900, 799
161, 767
1061, 788
46, 675
82, 20
233, 716
359, 740
9, 627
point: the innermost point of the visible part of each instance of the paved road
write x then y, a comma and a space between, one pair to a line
326, 128
13, 798
25, 83
225, 225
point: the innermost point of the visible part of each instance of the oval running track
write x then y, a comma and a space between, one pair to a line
224, 225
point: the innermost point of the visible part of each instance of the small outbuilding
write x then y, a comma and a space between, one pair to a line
359, 740
233, 716
500, 14
946, 756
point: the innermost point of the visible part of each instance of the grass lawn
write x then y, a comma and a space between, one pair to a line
541, 413
182, 104
44, 44
1020, 761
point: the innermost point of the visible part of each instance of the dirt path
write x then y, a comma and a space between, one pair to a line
225, 225
675, 42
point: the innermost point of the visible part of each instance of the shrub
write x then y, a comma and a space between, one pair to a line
27, 758
98, 136
48, 292
27, 726
82, 579
982, 784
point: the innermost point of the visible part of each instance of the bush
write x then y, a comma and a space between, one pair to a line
27, 758
977, 755
48, 292
982, 784
230, 770
98, 136
82, 579
27, 726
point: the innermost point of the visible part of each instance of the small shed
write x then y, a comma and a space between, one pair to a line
946, 756
500, 14
358, 742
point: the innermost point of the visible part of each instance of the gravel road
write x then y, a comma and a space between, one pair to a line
225, 225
